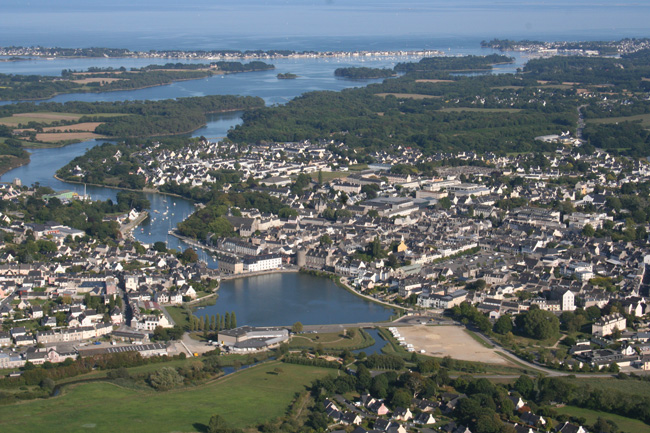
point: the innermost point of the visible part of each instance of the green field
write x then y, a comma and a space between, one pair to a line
481, 110
329, 175
478, 339
624, 424
244, 399
179, 316
407, 95
644, 118
607, 384
331, 341
23, 142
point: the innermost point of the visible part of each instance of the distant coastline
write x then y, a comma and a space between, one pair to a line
18, 53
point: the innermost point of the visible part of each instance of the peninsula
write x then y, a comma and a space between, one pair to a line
94, 80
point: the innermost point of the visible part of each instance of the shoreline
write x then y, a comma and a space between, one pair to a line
312, 272
22, 163
128, 89
194, 55
127, 229
55, 145
144, 190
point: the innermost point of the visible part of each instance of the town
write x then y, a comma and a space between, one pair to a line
506, 234
488, 239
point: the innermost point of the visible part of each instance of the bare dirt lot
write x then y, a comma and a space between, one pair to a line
77, 127
54, 137
440, 341
407, 95
100, 80
45, 117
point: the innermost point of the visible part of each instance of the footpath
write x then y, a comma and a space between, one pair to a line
126, 229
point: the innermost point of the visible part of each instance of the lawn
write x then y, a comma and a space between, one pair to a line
481, 110
331, 341
623, 423
407, 95
644, 118
179, 316
23, 142
244, 399
607, 384
329, 175
478, 339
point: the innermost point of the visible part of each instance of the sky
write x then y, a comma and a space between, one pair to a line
87, 22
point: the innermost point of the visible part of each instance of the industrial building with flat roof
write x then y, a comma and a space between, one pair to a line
249, 339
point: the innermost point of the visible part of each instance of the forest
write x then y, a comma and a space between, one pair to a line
616, 74
437, 111
145, 118
364, 73
464, 63
361, 118
12, 153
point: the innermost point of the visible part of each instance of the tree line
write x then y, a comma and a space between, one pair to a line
216, 322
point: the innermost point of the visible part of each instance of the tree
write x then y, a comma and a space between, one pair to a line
604, 426
444, 203
503, 325
414, 382
401, 398
374, 248
525, 386
379, 386
588, 230
538, 324
217, 424
297, 328
227, 321
233, 320
189, 256
165, 378
351, 333
325, 240
364, 378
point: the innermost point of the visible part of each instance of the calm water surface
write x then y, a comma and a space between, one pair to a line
283, 299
